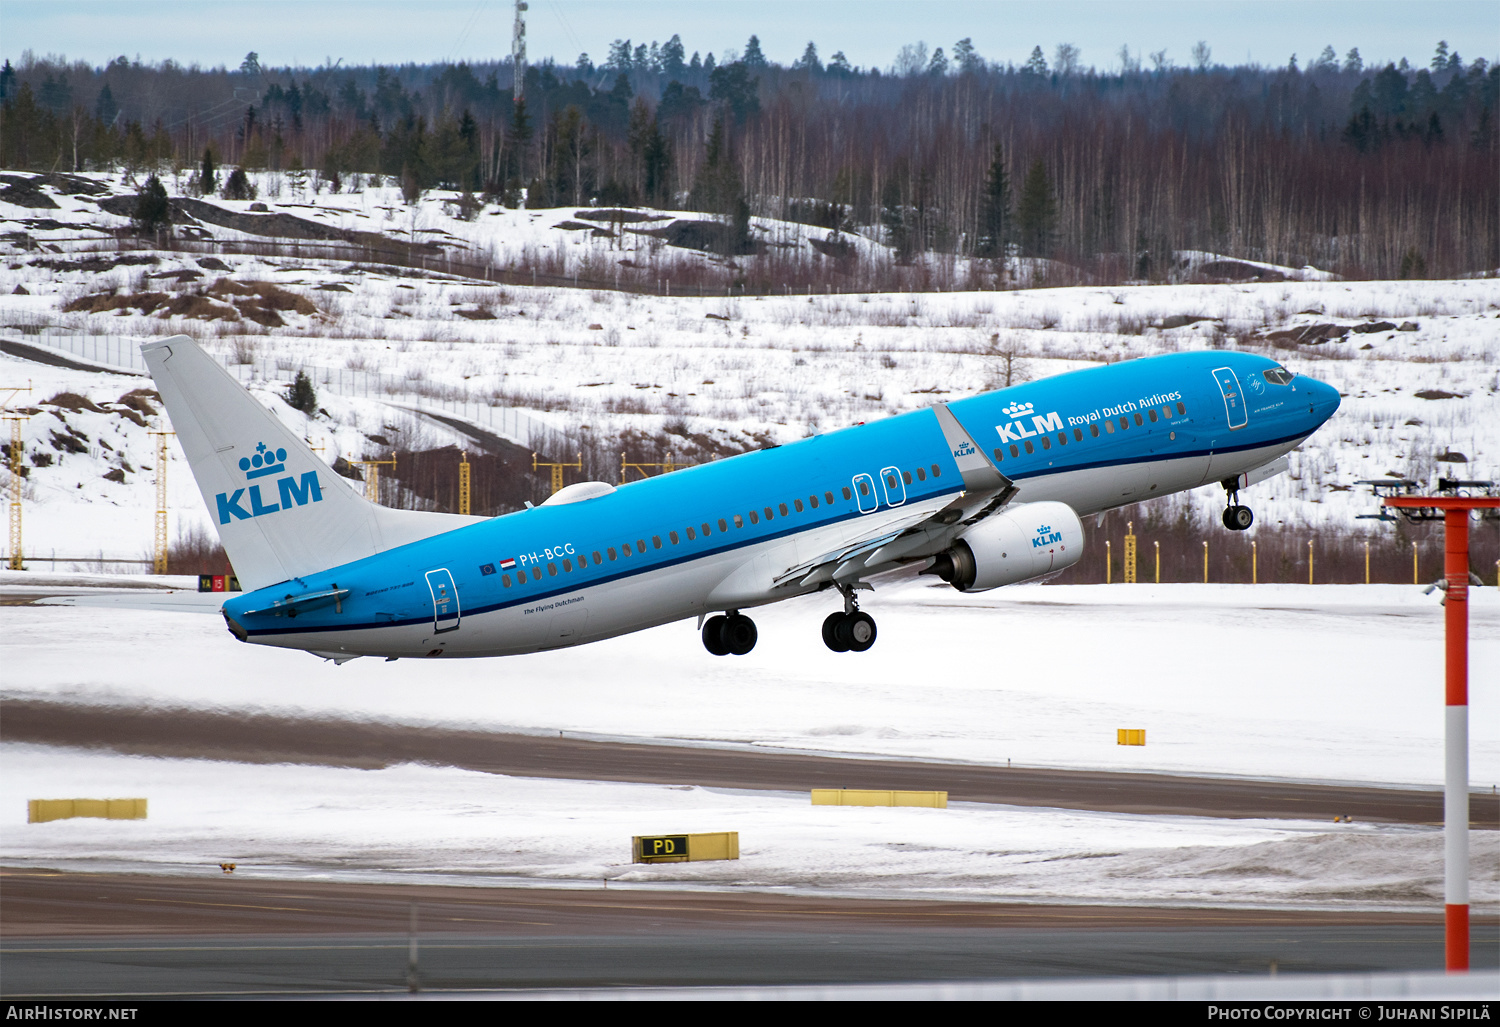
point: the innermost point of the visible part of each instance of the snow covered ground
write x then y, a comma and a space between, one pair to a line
1319, 683
440, 824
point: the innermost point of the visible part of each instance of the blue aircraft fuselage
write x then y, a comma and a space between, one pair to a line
716, 536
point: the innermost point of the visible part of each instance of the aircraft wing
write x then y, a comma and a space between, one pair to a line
986, 491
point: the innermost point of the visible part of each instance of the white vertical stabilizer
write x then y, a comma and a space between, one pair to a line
279, 510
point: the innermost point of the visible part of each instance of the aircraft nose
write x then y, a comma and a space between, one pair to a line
1324, 399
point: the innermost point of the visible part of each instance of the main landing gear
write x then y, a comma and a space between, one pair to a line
1236, 517
850, 630
729, 633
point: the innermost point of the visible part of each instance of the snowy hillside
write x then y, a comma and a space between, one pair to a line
1418, 361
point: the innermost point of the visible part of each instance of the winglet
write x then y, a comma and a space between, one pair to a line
978, 472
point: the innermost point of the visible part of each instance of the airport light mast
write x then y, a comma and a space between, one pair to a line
518, 50
1454, 503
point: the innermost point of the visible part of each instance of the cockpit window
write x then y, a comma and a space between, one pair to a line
1278, 376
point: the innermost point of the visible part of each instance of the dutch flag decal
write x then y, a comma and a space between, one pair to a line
506, 565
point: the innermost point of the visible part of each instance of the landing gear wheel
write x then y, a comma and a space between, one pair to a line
856, 631
1238, 518
831, 633
739, 634
713, 636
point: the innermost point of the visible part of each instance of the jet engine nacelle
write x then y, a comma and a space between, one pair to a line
1029, 541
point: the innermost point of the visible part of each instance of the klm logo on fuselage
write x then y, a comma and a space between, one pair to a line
1045, 536
1017, 430
290, 491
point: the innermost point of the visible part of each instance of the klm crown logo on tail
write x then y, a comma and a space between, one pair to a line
1016, 431
291, 491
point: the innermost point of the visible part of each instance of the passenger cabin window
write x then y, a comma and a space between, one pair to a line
505, 580
1109, 427
739, 522
864, 489
706, 530
1015, 450
567, 565
691, 534
1152, 414
673, 536
797, 503
890, 481
1124, 424
640, 545
625, 548
1062, 438
769, 513
782, 508
754, 519
1046, 442
999, 455
611, 551
906, 477
597, 558
536, 574
937, 472
1166, 413
1029, 447
921, 474
1094, 430
552, 570
725, 527
1138, 420
1181, 410
1078, 434
656, 541
583, 561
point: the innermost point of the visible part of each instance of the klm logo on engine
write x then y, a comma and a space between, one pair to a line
290, 491
1017, 430
1045, 536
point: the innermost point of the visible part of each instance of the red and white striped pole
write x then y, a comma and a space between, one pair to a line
1456, 742
1456, 714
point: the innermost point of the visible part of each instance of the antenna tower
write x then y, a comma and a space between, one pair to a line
518, 49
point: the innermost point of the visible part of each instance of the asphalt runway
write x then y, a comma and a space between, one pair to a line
122, 935
261, 738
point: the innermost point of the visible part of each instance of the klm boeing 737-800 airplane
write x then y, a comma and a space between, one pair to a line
981, 492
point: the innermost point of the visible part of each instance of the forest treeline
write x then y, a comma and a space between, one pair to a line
1377, 172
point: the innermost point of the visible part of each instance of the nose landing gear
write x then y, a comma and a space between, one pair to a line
1236, 517
729, 634
851, 630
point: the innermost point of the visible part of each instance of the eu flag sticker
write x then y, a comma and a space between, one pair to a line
486, 568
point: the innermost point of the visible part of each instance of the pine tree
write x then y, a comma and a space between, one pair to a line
208, 178
153, 211
1036, 64
517, 137
1036, 213
238, 187
672, 57
753, 57
105, 108
809, 59
994, 210
301, 395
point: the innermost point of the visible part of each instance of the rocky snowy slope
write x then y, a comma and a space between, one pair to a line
1418, 362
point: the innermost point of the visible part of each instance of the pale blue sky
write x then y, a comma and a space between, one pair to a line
308, 32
